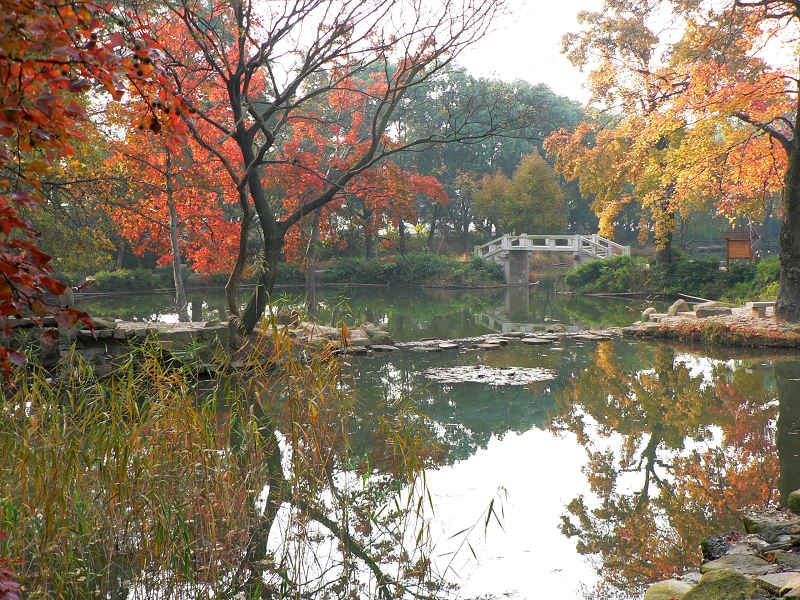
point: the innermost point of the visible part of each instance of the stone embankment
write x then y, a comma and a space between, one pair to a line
752, 325
761, 564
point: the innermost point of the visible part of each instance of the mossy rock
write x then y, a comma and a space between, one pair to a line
725, 584
793, 502
671, 589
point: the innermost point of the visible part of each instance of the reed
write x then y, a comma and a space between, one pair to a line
147, 483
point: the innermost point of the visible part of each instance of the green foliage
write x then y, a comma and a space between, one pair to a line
413, 269
133, 279
618, 274
530, 202
696, 276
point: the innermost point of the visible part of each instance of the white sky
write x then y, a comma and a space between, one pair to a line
526, 44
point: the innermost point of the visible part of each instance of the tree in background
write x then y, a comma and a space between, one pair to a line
270, 68
533, 110
708, 114
173, 205
530, 202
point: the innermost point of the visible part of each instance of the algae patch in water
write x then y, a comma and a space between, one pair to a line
489, 375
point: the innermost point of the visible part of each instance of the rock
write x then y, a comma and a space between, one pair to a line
779, 583
488, 346
793, 594
793, 502
589, 337
376, 334
671, 589
536, 340
727, 584
497, 340
708, 304
383, 348
100, 323
448, 346
711, 311
771, 527
748, 564
715, 546
556, 328
678, 306
647, 312
787, 559
212, 323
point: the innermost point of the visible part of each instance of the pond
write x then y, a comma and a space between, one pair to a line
408, 313
609, 474
605, 474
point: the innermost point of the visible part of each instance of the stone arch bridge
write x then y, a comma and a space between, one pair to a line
512, 252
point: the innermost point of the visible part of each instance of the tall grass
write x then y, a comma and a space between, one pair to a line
147, 483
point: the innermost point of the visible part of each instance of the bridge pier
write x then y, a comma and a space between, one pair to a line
517, 268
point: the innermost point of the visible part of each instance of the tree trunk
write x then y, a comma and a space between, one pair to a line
369, 243
402, 232
177, 270
235, 278
664, 253
121, 254
434, 222
788, 305
311, 266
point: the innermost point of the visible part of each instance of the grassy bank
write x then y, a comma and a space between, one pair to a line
419, 268
695, 276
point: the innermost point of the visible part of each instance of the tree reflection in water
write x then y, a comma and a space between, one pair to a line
678, 446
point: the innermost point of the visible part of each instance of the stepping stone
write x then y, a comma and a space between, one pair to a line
536, 340
489, 346
383, 348
426, 348
448, 346
500, 341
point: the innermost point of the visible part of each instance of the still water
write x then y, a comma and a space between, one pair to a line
606, 476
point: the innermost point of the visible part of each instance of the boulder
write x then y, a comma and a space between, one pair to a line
711, 311
671, 589
771, 527
647, 312
678, 306
793, 594
793, 502
748, 564
376, 334
448, 346
727, 584
358, 337
779, 583
787, 559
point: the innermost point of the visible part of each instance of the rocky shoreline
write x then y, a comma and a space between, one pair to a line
752, 326
761, 564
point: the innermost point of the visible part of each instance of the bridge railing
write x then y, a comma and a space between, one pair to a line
593, 245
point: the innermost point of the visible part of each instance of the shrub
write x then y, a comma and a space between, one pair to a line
618, 274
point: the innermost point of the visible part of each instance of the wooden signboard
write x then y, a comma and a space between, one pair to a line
738, 245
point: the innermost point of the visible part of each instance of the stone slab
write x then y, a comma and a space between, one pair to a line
747, 564
779, 583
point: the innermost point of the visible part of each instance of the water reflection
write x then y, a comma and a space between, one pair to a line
677, 442
677, 446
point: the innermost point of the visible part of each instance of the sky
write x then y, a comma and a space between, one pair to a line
526, 44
